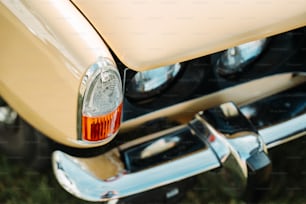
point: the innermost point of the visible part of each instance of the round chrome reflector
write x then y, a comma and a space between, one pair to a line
149, 83
235, 59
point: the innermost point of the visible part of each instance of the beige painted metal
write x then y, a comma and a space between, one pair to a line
46, 46
152, 33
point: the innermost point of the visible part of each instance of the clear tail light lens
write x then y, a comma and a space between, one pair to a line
100, 103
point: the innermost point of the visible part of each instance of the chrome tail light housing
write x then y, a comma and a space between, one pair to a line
100, 103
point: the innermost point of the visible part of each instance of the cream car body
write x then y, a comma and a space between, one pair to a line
48, 45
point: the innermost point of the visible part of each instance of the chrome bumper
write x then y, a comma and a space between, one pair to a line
231, 137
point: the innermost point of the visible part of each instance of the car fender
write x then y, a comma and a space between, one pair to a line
46, 48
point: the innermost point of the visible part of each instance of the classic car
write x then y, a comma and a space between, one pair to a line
129, 96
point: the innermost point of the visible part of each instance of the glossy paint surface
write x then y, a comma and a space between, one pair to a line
46, 48
147, 34
48, 45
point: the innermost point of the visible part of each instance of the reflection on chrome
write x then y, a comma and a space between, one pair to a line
284, 132
279, 118
234, 59
86, 186
235, 133
159, 146
7, 115
148, 83
225, 137
152, 79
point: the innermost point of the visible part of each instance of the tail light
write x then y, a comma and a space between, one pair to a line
100, 103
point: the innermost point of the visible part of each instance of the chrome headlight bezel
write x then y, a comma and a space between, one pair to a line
146, 84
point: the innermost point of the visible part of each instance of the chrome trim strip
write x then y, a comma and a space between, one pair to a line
81, 183
233, 132
82, 89
284, 132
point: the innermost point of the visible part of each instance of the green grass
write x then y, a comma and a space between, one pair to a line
19, 184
